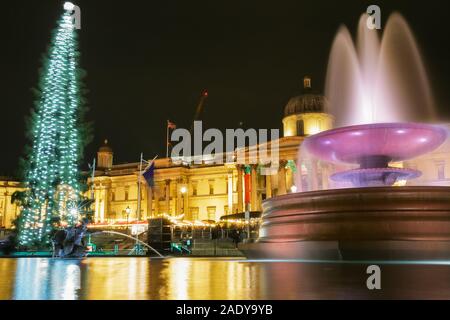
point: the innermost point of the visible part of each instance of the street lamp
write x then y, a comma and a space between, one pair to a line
69, 6
183, 191
128, 211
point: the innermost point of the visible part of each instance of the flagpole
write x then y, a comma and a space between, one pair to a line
167, 139
138, 215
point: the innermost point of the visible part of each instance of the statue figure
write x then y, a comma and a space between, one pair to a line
68, 242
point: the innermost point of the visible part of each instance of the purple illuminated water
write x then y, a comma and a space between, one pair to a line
373, 147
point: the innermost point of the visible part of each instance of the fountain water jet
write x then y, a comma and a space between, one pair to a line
377, 81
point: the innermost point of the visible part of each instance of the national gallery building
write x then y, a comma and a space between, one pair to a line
208, 191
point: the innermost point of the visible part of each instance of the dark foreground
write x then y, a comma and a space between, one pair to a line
195, 278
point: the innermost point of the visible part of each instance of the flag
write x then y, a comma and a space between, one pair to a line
171, 125
247, 184
149, 175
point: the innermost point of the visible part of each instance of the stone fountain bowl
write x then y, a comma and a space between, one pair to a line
387, 223
383, 142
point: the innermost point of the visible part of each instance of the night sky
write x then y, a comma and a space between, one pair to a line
148, 61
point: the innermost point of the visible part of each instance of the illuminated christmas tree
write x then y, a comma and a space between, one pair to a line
52, 175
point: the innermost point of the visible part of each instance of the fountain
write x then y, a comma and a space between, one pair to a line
379, 94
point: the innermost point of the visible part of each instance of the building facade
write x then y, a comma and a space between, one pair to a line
8, 210
208, 191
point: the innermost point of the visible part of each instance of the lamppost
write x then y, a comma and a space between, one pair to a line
183, 191
128, 211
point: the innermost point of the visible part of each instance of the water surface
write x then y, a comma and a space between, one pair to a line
191, 278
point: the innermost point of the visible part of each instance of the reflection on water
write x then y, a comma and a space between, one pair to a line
37, 279
184, 278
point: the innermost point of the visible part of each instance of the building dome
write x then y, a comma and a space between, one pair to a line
105, 156
305, 115
308, 102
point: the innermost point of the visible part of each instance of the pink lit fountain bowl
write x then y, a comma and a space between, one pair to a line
373, 147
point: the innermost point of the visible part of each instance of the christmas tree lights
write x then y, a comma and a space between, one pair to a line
53, 188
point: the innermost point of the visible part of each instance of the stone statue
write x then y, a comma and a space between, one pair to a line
68, 242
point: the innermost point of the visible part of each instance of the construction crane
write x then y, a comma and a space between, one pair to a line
200, 107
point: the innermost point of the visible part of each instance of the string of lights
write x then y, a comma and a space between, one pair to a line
52, 176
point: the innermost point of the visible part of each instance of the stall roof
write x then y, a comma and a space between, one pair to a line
241, 215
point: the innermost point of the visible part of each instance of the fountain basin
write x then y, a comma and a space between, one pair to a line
375, 145
383, 223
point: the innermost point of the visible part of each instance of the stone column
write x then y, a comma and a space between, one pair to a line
254, 189
268, 186
230, 192
178, 197
298, 177
240, 189
186, 199
167, 198
97, 204
107, 212
282, 189
156, 195
6, 216
314, 175
289, 180
149, 201
3, 214
101, 203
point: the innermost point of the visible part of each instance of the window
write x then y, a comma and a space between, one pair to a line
193, 213
113, 196
211, 213
167, 192
126, 194
211, 188
300, 128
194, 189
307, 82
